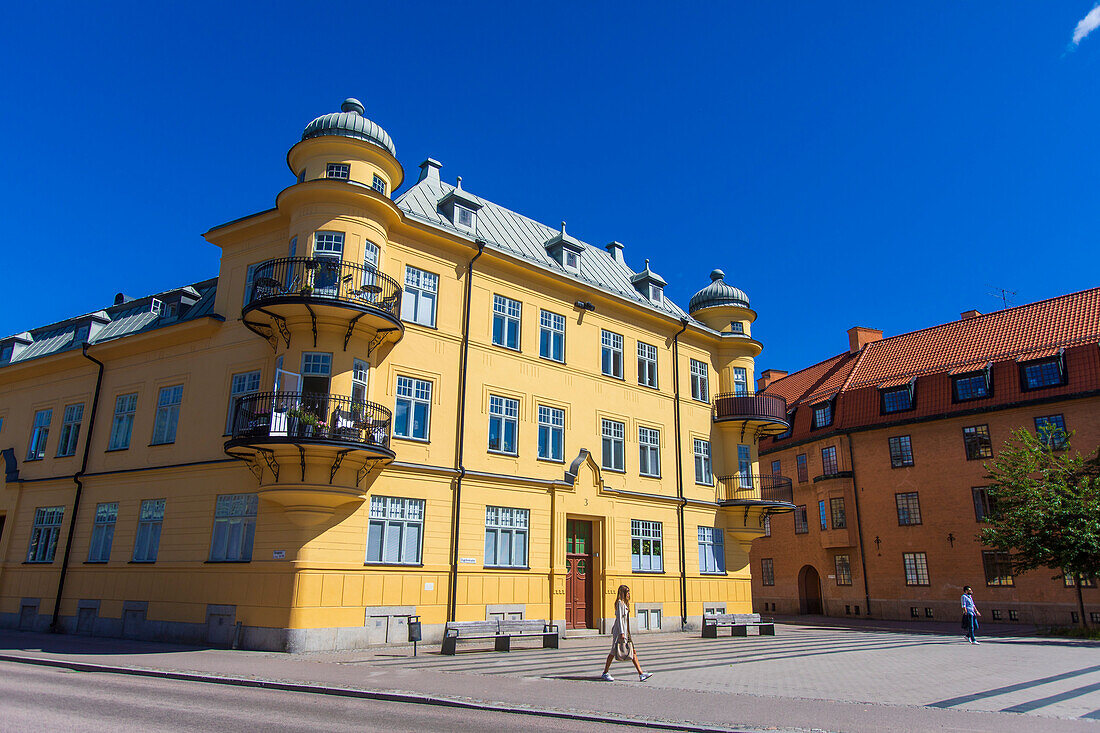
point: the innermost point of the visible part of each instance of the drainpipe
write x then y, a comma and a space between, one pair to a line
859, 526
456, 503
55, 625
679, 468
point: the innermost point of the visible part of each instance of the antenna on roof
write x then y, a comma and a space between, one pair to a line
1004, 295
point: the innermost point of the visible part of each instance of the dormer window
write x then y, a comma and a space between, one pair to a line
5, 352
81, 334
1039, 373
572, 261
972, 386
464, 217
460, 208
823, 415
156, 306
379, 185
897, 397
649, 284
340, 171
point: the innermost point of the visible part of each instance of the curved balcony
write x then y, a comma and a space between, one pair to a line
271, 418
744, 489
322, 286
764, 414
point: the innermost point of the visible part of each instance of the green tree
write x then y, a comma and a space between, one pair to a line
1046, 507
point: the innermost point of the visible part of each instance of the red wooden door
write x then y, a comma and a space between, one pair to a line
578, 581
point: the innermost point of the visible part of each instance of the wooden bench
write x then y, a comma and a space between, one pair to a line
501, 632
739, 624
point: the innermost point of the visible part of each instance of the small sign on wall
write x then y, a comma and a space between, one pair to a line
429, 586
278, 554
468, 560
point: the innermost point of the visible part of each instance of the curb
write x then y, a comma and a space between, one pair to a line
385, 696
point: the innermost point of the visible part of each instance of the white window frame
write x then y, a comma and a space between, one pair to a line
649, 619
470, 214
503, 414
103, 532
647, 365
360, 376
506, 537
551, 443
613, 435
740, 381
328, 244
413, 392
378, 184
744, 465
421, 295
611, 354
338, 171
150, 523
40, 433
649, 452
70, 430
704, 474
240, 385
712, 551
234, 528
646, 547
122, 424
700, 381
508, 313
552, 336
166, 419
44, 534
389, 514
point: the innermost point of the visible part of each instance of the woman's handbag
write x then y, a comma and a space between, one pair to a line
624, 649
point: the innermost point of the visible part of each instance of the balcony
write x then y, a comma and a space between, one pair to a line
763, 414
349, 293
743, 489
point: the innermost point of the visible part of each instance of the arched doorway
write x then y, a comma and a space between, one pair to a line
809, 591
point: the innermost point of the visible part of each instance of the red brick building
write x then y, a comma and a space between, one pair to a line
886, 453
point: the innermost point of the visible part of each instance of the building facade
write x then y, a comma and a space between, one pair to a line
383, 407
888, 448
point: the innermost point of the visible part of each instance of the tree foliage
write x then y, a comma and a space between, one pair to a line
1046, 507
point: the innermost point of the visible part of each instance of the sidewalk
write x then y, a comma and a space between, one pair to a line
804, 678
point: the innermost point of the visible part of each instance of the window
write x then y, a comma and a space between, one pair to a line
168, 414
970, 387
767, 571
712, 551
234, 528
821, 515
744, 466
928, 613
570, 261
103, 532
80, 335
240, 385
37, 449
843, 569
1051, 429
505, 537
703, 473
70, 430
1039, 374
378, 185
150, 519
464, 217
506, 319
649, 619
803, 468
611, 354
908, 505
316, 372
898, 399
338, 170
916, 568
801, 521
551, 433
777, 468
645, 546
6, 351
44, 533
767, 525
836, 513
418, 301
552, 336
740, 381
328, 244
503, 424
649, 452
413, 408
360, 372
737, 327
614, 447
901, 452
977, 442
828, 461
823, 415
700, 389
395, 531
647, 365
914, 612
983, 503
998, 568
1086, 582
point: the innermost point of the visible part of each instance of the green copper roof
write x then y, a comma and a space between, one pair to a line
350, 122
717, 293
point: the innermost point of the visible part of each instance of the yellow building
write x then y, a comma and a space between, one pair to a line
382, 407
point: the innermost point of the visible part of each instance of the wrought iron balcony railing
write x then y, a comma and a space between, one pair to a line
745, 487
325, 280
751, 406
295, 417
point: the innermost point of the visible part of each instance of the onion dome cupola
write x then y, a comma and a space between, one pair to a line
722, 306
460, 207
350, 122
649, 284
565, 249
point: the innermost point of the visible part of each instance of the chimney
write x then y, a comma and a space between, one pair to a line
429, 169
967, 315
616, 251
767, 377
858, 337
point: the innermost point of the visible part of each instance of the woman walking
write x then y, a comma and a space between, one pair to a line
622, 645
970, 615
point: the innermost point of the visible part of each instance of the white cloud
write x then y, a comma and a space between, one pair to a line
1086, 25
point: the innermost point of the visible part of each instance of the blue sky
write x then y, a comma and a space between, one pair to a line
876, 164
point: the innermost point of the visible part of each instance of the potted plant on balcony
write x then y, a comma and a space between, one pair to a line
307, 422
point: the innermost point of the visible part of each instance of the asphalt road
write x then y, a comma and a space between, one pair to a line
48, 699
